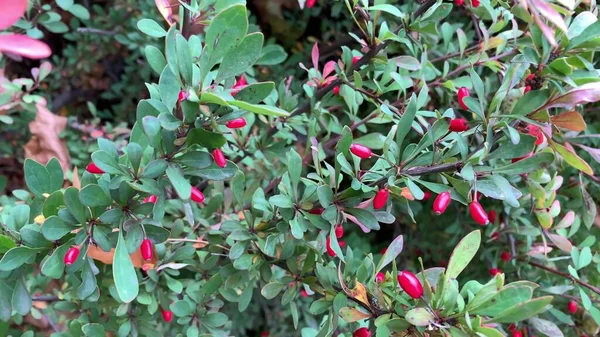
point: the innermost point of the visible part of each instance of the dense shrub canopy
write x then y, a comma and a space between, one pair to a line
309, 168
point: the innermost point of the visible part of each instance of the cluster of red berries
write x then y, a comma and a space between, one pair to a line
474, 3
441, 202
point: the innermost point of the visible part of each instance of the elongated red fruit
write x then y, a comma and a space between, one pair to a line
182, 96
527, 89
426, 195
492, 216
361, 151
381, 198
380, 277
317, 211
303, 293
339, 231
355, 59
362, 332
410, 284
336, 90
146, 249
462, 93
517, 333
151, 199
478, 213
495, 271
197, 196
167, 315
71, 255
572, 306
459, 2
310, 3
458, 125
328, 247
236, 123
505, 256
441, 202
219, 158
92, 168
475, 3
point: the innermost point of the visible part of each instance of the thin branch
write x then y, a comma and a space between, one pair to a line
45, 298
565, 275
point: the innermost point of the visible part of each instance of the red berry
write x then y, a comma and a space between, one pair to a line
462, 93
517, 333
355, 59
71, 255
492, 216
495, 235
381, 198
197, 196
505, 256
236, 123
239, 85
495, 271
339, 231
328, 247
535, 131
182, 95
527, 89
342, 243
514, 160
303, 293
458, 125
441, 202
572, 306
264, 334
380, 277
316, 211
410, 284
478, 213
146, 249
427, 195
92, 168
360, 151
475, 3
167, 315
362, 332
530, 77
219, 158
459, 2
512, 327
336, 90
151, 199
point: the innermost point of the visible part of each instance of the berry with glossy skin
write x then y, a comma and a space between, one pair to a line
355, 59
514, 160
527, 89
310, 3
381, 198
316, 211
362, 332
339, 231
361, 151
167, 315
495, 271
303, 293
572, 307
92, 168
512, 327
517, 333
426, 195
462, 93
505, 256
328, 247
459, 2
182, 96
492, 216
71, 255
441, 202
197, 196
478, 213
219, 158
336, 90
236, 123
380, 277
239, 85
530, 78
458, 125
475, 3
151, 199
146, 249
410, 284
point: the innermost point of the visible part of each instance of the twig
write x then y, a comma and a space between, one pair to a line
565, 275
46, 298
96, 31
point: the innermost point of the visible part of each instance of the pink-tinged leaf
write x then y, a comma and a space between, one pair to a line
164, 7
566, 221
329, 68
315, 56
352, 314
547, 31
355, 220
587, 93
549, 13
595, 153
561, 242
11, 12
24, 46
539, 250
555, 208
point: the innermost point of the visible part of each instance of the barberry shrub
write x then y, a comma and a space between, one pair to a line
229, 196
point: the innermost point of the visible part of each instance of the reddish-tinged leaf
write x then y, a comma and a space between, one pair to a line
570, 120
561, 242
352, 314
315, 56
355, 220
24, 46
547, 31
595, 153
329, 68
166, 10
566, 221
12, 11
587, 93
549, 13
539, 250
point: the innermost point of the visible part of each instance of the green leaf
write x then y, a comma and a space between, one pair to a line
207, 139
538, 161
52, 204
20, 216
255, 92
106, 162
214, 172
94, 196
37, 177
88, 281
134, 153
74, 205
182, 308
225, 31
282, 201
240, 58
16, 257
271, 55
93, 330
54, 228
462, 254
151, 28
261, 109
508, 150
406, 120
523, 310
195, 159
182, 186
184, 59
419, 317
155, 58
572, 158
6, 243
80, 12
546, 327
388, 9
531, 102
506, 188
366, 220
126, 281
53, 266
21, 300
393, 250
271, 290
209, 97
169, 88
64, 4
